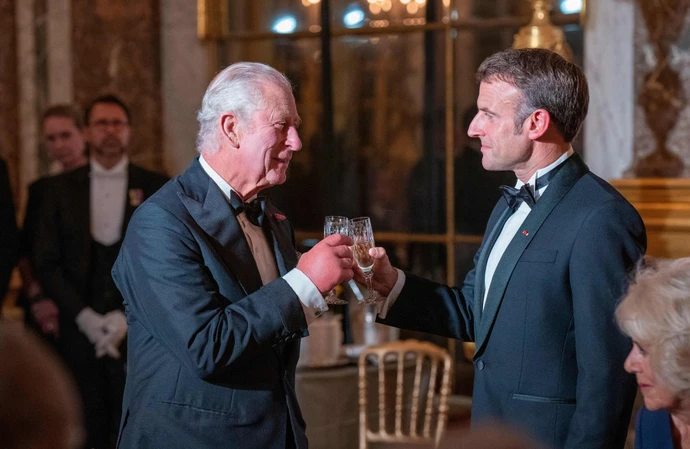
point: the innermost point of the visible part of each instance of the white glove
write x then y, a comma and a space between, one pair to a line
115, 325
91, 324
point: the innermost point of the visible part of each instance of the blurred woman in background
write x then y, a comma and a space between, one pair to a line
656, 315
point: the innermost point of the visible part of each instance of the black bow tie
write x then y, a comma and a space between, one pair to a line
253, 210
515, 197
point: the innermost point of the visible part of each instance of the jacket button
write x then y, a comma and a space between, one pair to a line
479, 364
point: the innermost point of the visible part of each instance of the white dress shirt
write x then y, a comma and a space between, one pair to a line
310, 298
107, 201
510, 228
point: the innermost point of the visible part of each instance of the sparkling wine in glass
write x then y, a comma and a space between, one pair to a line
335, 224
363, 240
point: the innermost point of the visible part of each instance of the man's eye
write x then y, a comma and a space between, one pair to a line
279, 125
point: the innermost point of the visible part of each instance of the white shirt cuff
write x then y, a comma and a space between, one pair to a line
393, 295
309, 296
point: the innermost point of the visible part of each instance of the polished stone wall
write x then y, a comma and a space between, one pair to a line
116, 49
609, 63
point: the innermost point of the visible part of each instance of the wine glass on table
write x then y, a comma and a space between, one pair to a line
363, 240
335, 224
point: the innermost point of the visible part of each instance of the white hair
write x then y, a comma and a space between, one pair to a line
238, 89
656, 313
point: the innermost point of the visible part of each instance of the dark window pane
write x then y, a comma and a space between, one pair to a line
301, 197
377, 14
279, 16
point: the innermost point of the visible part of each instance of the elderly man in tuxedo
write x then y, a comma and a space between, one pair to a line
215, 296
553, 263
82, 221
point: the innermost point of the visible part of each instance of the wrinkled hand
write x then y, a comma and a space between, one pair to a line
115, 325
47, 315
91, 324
384, 275
328, 263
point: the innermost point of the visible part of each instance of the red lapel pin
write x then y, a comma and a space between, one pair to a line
525, 232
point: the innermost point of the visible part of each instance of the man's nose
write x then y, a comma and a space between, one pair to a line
293, 141
474, 130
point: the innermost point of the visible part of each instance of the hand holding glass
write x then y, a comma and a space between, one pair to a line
335, 225
363, 240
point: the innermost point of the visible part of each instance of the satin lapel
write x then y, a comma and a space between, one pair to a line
558, 188
278, 230
481, 264
214, 215
80, 213
133, 183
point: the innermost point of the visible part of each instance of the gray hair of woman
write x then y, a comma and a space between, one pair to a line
656, 313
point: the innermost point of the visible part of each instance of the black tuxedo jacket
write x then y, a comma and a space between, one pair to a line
549, 357
211, 352
63, 241
8, 231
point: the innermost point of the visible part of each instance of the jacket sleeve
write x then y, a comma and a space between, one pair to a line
608, 245
427, 306
167, 286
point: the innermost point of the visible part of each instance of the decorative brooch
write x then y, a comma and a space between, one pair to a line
136, 197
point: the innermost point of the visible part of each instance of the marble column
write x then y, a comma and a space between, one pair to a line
116, 49
184, 80
610, 68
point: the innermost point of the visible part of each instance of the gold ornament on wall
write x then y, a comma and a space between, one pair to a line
541, 33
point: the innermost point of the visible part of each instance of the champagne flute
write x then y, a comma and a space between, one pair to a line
363, 240
335, 224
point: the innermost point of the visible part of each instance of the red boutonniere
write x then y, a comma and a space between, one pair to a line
136, 197
279, 217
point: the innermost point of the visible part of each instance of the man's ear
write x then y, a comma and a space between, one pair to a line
229, 128
538, 123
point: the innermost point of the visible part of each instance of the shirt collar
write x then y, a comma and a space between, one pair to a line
119, 168
220, 182
545, 170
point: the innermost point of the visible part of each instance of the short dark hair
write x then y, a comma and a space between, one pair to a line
66, 111
109, 99
546, 80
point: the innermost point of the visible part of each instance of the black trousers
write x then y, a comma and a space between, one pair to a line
101, 384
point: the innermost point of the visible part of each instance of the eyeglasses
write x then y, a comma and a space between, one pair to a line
103, 124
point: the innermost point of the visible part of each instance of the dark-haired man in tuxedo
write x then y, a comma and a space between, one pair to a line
83, 220
553, 263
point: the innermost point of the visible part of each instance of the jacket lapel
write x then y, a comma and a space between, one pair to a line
210, 209
569, 174
131, 196
278, 231
490, 240
80, 215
